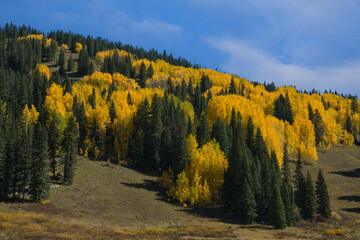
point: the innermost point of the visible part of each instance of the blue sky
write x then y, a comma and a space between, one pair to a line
310, 44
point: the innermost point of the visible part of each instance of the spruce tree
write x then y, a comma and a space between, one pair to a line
276, 209
318, 127
152, 137
71, 64
142, 75
309, 209
54, 142
202, 131
62, 70
245, 205
2, 151
232, 87
69, 147
300, 184
220, 134
322, 196
150, 71
39, 185
205, 83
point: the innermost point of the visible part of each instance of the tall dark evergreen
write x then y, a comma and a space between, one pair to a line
232, 87
62, 69
205, 83
69, 148
152, 136
54, 142
2, 152
300, 184
322, 197
150, 71
219, 132
71, 64
318, 127
309, 209
39, 184
202, 131
277, 212
282, 108
141, 78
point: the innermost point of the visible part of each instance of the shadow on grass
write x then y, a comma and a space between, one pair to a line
354, 210
352, 173
353, 198
146, 184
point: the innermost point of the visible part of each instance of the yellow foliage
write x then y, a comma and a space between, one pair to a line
348, 139
32, 36
64, 46
101, 55
78, 47
43, 70
29, 115
337, 232
201, 181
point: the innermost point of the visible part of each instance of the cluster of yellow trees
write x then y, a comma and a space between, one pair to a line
200, 182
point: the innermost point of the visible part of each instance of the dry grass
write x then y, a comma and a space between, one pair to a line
110, 202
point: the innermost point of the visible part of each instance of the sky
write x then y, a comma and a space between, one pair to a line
309, 44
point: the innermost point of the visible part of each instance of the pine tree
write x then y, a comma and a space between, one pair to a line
232, 87
311, 113
318, 127
220, 134
62, 70
69, 147
39, 185
54, 142
150, 71
2, 152
250, 135
202, 131
142, 75
191, 90
205, 83
348, 124
282, 108
152, 137
322, 197
71, 64
277, 212
309, 209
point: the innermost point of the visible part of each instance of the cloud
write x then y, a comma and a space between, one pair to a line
257, 65
121, 23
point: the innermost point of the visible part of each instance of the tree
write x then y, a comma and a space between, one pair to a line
142, 75
2, 151
69, 147
205, 83
232, 87
54, 142
277, 212
300, 184
245, 205
62, 71
202, 131
71, 64
150, 71
39, 184
220, 134
309, 209
322, 196
318, 127
282, 108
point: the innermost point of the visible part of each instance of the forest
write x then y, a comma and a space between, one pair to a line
214, 139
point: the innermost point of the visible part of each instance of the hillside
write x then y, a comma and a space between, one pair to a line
117, 197
94, 118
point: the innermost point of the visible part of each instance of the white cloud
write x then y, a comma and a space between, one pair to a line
120, 23
247, 61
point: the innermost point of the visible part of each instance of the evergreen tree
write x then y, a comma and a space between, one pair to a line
69, 147
112, 112
220, 134
348, 124
311, 113
245, 205
202, 131
142, 75
205, 83
300, 184
62, 70
277, 212
322, 197
150, 71
232, 87
152, 137
191, 90
250, 135
308, 212
39, 184
2, 152
282, 108
54, 142
71, 64
318, 127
